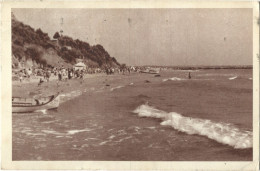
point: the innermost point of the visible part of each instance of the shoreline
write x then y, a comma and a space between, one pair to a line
89, 81
31, 88
35, 79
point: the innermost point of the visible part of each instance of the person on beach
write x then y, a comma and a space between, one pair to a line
189, 76
21, 76
69, 74
107, 70
37, 101
29, 72
44, 75
48, 75
77, 73
59, 75
40, 82
81, 74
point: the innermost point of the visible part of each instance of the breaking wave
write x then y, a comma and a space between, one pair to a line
214, 74
173, 79
221, 132
187, 70
112, 89
232, 78
69, 132
70, 95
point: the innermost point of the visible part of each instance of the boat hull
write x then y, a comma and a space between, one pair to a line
54, 103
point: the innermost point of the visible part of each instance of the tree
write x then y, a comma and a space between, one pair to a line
56, 35
43, 36
34, 54
39, 31
123, 66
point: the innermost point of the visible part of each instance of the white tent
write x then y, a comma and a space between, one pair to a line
79, 66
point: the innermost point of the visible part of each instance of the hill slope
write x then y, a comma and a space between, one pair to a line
34, 47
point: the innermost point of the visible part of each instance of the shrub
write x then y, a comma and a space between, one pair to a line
56, 35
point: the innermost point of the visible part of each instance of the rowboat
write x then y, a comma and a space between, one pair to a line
24, 105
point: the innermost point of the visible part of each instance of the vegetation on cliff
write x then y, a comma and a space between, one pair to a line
37, 46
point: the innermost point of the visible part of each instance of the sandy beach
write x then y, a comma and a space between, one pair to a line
29, 87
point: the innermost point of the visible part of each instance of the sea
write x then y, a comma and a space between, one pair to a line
144, 117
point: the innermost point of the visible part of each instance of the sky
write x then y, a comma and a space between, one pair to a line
155, 36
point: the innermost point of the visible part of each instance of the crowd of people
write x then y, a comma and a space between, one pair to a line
62, 73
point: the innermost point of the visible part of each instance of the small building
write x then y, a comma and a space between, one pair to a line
79, 66
68, 47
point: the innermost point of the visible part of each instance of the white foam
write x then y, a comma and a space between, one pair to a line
121, 132
53, 132
99, 91
232, 78
221, 132
151, 127
46, 122
44, 111
103, 143
70, 95
69, 132
214, 74
72, 132
110, 130
112, 89
84, 145
131, 84
173, 79
186, 70
111, 137
91, 139
122, 139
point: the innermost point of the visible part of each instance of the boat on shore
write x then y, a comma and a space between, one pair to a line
26, 105
150, 71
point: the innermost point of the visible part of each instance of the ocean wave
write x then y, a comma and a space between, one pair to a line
221, 132
112, 89
214, 74
72, 132
173, 79
186, 70
232, 78
70, 95
43, 111
69, 132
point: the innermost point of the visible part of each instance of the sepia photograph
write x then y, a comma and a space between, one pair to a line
132, 84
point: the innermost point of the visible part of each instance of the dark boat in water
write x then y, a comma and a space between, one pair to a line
24, 105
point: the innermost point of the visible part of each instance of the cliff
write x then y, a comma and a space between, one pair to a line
32, 47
